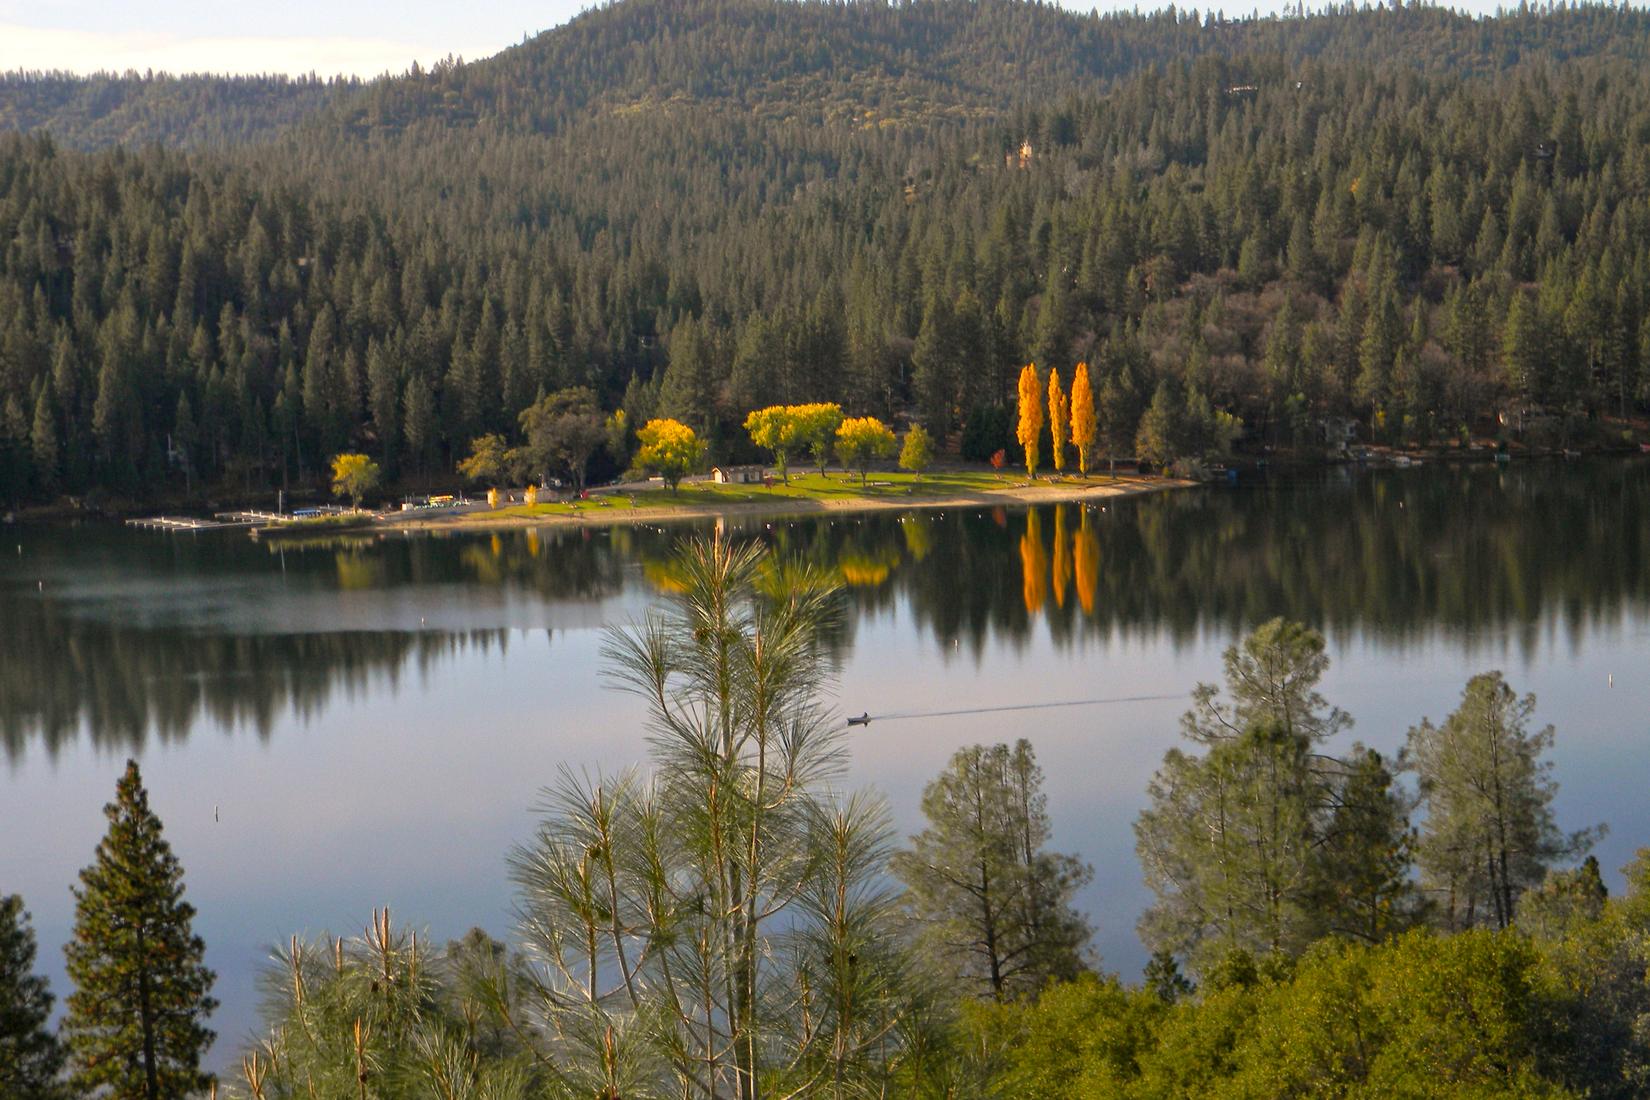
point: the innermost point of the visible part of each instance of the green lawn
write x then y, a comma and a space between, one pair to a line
803, 487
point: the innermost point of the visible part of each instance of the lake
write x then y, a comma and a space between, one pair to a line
327, 728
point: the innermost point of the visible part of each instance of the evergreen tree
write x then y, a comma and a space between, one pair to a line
136, 1021
1489, 832
995, 906
1265, 842
1159, 439
31, 1058
43, 442
1365, 855
934, 367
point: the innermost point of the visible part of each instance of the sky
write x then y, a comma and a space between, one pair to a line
303, 36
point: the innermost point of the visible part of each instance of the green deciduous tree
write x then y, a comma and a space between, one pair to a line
995, 907
136, 1021
563, 431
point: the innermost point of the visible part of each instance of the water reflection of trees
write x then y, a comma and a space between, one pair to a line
1463, 550
132, 661
1475, 551
1467, 551
62, 674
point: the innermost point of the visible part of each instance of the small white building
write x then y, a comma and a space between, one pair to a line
736, 475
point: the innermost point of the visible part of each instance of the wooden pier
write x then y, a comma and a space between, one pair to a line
221, 522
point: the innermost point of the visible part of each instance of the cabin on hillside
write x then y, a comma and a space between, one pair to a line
736, 475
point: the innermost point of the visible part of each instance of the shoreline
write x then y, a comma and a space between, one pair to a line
594, 514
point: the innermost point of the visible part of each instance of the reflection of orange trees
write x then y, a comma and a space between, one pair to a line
862, 569
485, 563
1062, 556
665, 575
359, 570
919, 537
1034, 563
1086, 550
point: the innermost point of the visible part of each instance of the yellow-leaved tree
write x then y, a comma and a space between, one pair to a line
1031, 416
354, 476
778, 429
1059, 418
670, 449
861, 439
918, 452
816, 426
1085, 425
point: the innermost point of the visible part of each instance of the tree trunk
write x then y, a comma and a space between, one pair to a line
146, 1021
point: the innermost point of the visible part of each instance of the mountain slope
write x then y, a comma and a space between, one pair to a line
1298, 240
863, 62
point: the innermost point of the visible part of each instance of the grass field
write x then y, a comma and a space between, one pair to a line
810, 488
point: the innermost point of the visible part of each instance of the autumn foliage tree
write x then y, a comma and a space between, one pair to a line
486, 462
778, 429
816, 428
1030, 429
1085, 426
1059, 419
670, 449
862, 439
354, 476
918, 452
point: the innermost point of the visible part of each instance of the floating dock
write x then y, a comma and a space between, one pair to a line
222, 521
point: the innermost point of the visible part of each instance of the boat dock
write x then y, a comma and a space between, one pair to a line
221, 521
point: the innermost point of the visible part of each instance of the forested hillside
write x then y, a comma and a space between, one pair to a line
1411, 219
107, 110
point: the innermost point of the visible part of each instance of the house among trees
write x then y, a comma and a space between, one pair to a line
736, 475
1022, 159
1339, 432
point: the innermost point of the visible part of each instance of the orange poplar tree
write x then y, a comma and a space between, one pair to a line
1031, 416
1059, 418
1085, 426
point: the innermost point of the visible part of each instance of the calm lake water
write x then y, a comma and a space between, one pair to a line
330, 728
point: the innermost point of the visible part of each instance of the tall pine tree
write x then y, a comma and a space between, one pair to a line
30, 1056
136, 1022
